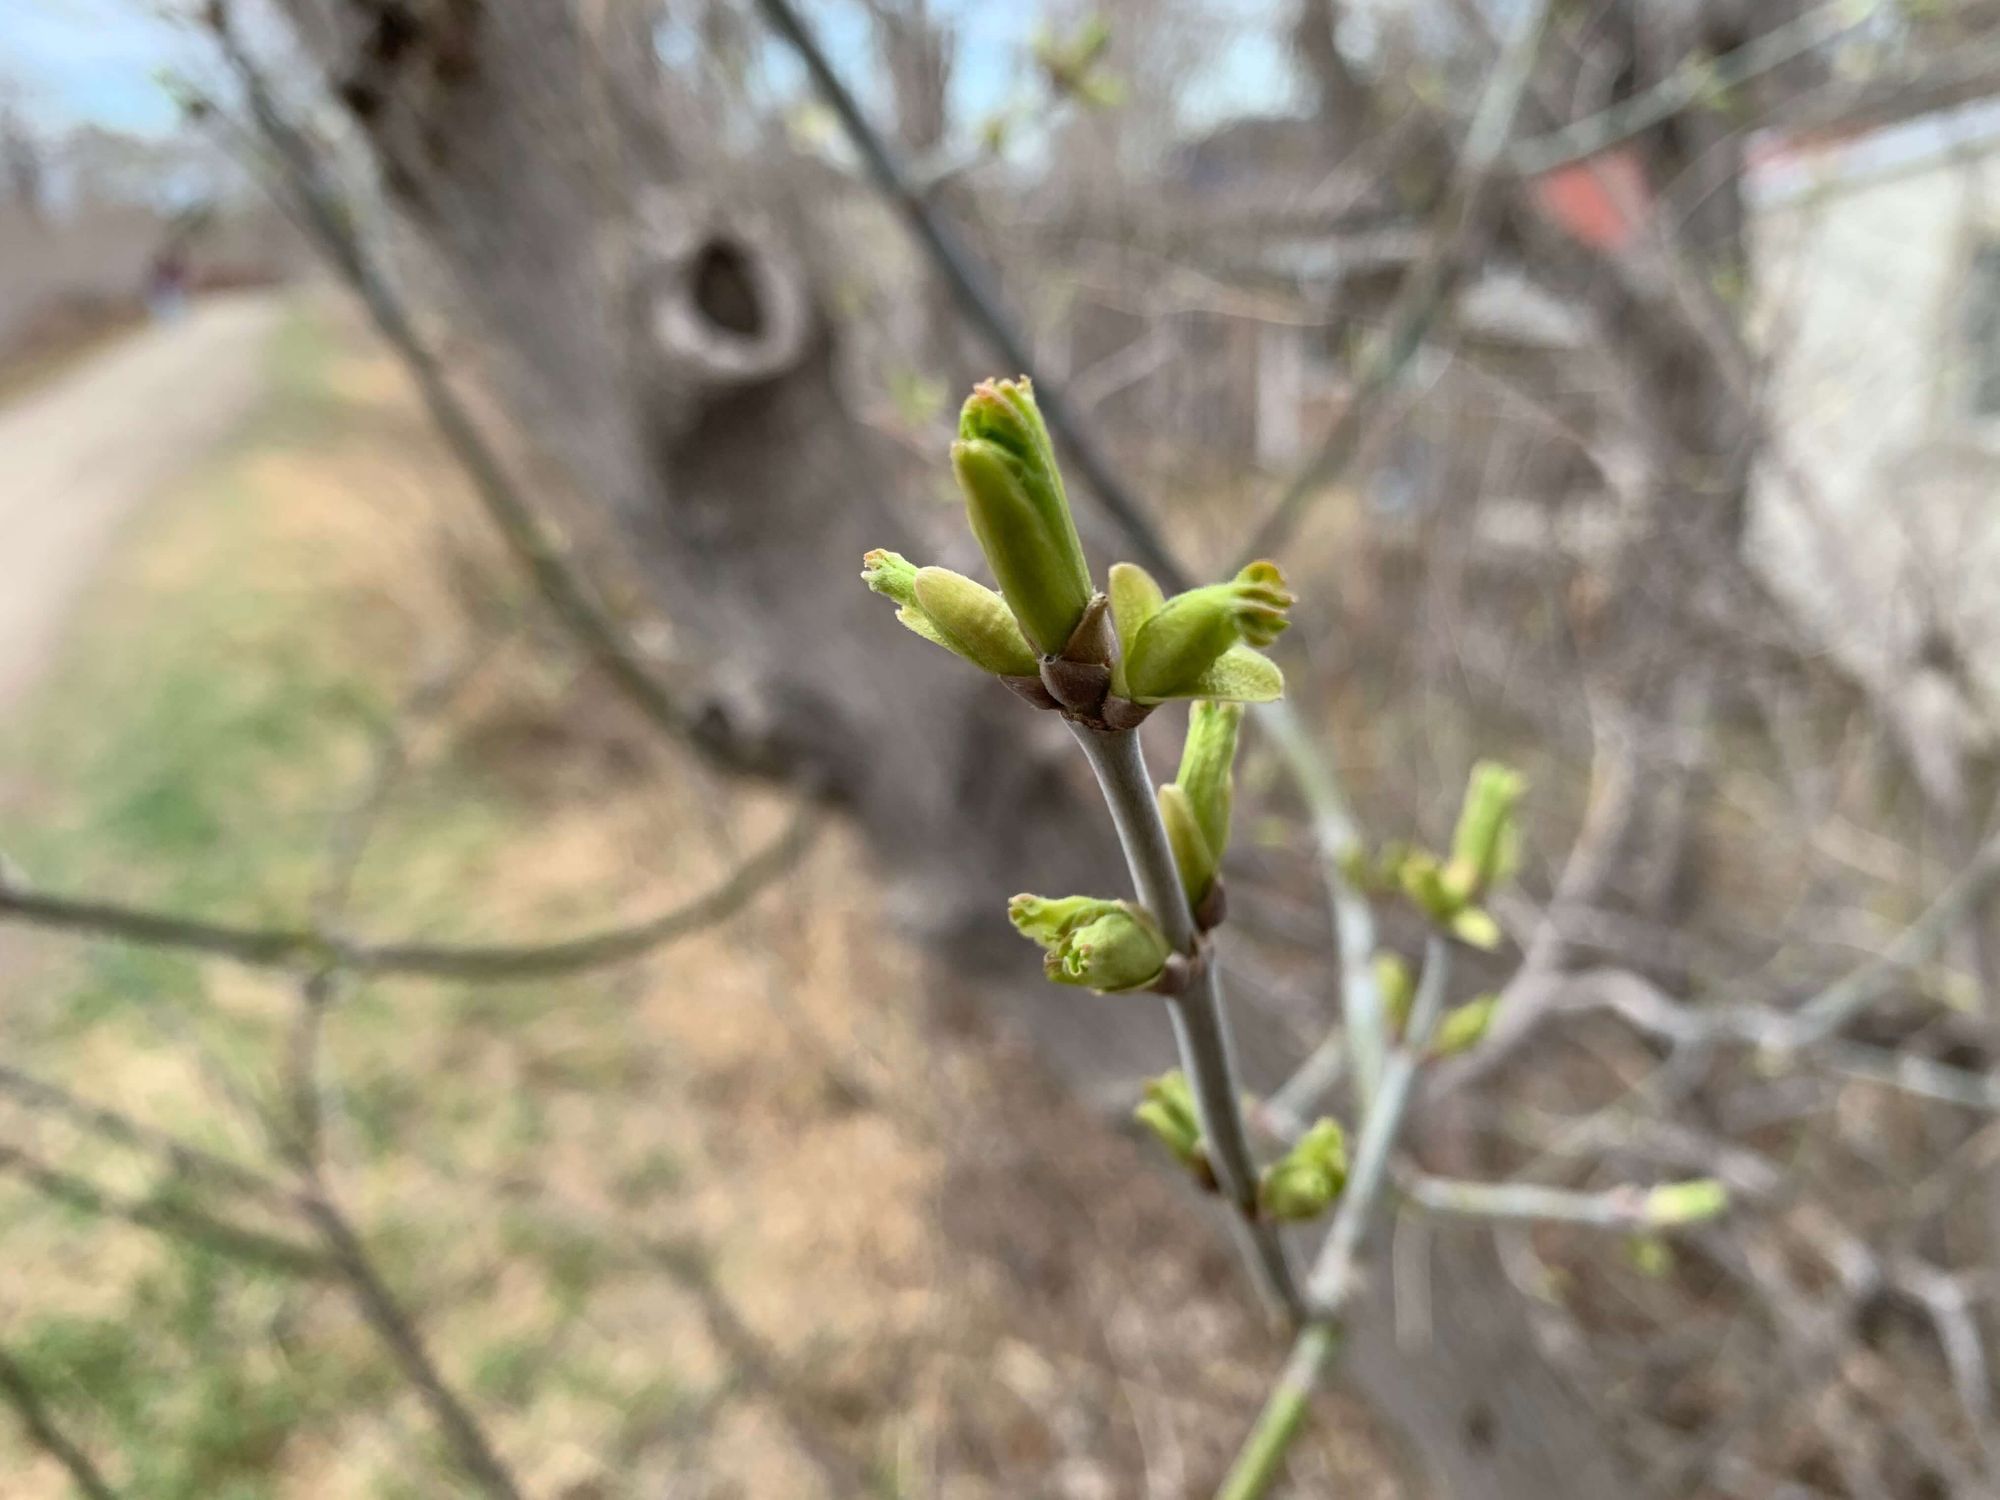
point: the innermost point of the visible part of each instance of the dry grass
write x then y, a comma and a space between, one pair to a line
742, 1219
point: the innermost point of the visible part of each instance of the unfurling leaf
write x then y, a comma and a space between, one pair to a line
890, 574
1304, 1182
1397, 988
975, 622
1189, 633
953, 611
1168, 1111
1014, 497
1484, 847
1673, 1205
1207, 774
1193, 857
1476, 928
1101, 945
1240, 675
1136, 597
1465, 1027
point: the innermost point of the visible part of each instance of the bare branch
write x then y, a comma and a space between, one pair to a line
398, 1333
1687, 85
1428, 284
290, 947
163, 1214
18, 1390
979, 302
1624, 1208
186, 1159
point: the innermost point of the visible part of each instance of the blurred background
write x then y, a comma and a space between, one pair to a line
506, 987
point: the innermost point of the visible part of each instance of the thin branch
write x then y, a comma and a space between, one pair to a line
1913, 1075
1623, 1208
279, 947
1286, 1114
1686, 85
399, 1334
1201, 1023
969, 288
163, 1215
1842, 1002
1336, 838
18, 1390
1262, 1458
1427, 286
188, 1160
1333, 1272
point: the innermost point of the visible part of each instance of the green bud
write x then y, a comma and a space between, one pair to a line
1672, 1205
975, 622
1168, 1111
1208, 756
1465, 1027
1484, 847
1476, 928
1651, 1256
1189, 633
890, 574
1397, 986
1422, 880
1374, 872
1135, 598
1240, 675
1019, 512
1304, 1182
1102, 945
1192, 854
950, 610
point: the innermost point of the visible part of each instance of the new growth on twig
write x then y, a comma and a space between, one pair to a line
1105, 660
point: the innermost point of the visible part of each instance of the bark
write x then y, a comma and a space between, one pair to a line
654, 321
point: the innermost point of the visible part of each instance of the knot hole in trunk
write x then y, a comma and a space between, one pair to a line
726, 306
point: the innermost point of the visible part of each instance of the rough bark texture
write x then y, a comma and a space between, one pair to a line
655, 326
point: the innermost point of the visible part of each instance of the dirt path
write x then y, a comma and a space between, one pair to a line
76, 456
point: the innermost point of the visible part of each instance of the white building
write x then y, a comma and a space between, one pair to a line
1878, 512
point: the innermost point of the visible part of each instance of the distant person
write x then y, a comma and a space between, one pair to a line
167, 286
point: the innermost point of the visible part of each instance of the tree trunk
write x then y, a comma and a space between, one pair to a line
654, 323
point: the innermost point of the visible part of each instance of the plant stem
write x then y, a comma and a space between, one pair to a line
1201, 1025
1263, 1454
1332, 1282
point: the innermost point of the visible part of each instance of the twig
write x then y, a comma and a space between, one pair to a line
1914, 1075
185, 1158
1286, 1113
386, 1316
1619, 1208
1332, 1283
18, 1390
1333, 1273
1201, 1025
163, 1216
1336, 838
1842, 1002
1686, 85
281, 947
1262, 1459
1427, 285
979, 302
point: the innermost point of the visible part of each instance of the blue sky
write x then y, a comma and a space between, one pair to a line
91, 61
98, 61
